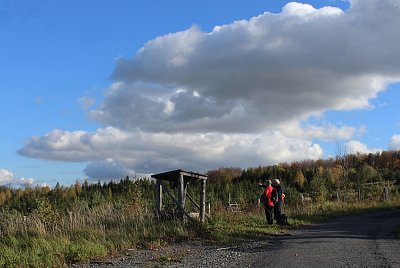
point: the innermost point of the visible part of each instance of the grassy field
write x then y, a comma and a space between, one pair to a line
43, 241
52, 240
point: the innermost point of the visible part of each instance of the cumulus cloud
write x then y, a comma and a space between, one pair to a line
257, 74
146, 152
107, 169
394, 143
27, 181
326, 132
6, 176
238, 95
354, 146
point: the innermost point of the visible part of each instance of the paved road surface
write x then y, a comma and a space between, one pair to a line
355, 241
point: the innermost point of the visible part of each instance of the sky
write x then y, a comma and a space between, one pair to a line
100, 89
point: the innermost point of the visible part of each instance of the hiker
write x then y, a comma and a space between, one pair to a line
266, 199
276, 184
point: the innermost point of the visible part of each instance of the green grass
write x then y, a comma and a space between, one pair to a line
227, 228
169, 258
28, 251
49, 251
28, 241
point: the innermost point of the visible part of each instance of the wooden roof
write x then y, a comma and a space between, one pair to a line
175, 175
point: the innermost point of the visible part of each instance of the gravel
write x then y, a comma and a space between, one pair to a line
187, 254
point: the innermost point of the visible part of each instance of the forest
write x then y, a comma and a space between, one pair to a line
362, 174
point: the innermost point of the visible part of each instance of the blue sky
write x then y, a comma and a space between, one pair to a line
101, 89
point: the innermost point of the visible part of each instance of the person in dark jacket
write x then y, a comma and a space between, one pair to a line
266, 199
276, 184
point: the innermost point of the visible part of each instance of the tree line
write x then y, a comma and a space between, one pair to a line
351, 176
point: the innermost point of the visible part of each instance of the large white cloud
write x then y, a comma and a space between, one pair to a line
118, 152
238, 95
257, 74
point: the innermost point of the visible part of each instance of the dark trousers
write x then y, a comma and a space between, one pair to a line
269, 213
278, 212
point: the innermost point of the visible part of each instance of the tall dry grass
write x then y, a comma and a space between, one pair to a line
47, 238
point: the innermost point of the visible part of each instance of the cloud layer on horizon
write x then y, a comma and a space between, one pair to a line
237, 96
8, 177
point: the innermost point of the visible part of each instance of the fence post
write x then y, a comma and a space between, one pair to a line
386, 192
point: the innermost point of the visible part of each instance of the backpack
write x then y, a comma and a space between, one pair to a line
284, 220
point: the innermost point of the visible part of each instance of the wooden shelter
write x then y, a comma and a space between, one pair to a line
181, 179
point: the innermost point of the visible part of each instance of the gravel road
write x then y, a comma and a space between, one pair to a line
368, 240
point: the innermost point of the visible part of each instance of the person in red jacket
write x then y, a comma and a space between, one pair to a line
266, 199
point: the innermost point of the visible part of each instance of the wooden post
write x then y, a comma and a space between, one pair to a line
386, 193
198, 206
181, 194
182, 209
203, 201
185, 188
159, 196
